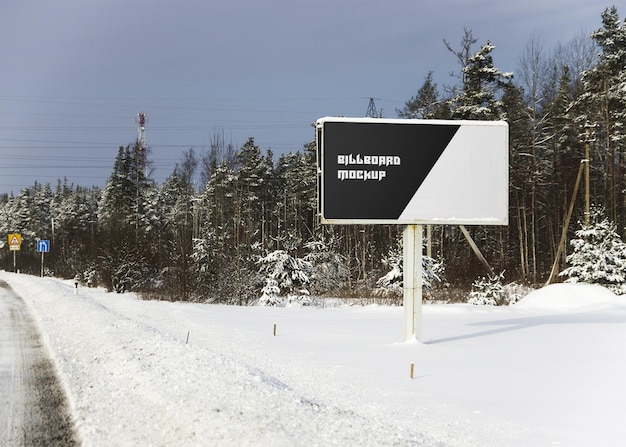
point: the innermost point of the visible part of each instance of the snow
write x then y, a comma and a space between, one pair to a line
547, 371
570, 296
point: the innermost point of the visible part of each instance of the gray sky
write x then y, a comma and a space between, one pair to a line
75, 74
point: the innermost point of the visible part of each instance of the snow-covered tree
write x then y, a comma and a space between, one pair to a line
603, 106
598, 256
391, 284
270, 294
425, 104
74, 212
122, 270
296, 178
178, 227
24, 219
482, 85
41, 224
216, 201
122, 221
284, 275
329, 272
253, 182
488, 291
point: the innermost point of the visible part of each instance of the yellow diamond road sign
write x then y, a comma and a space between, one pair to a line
15, 241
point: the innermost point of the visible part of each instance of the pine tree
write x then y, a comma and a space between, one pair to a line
328, 268
603, 106
391, 284
523, 181
24, 215
482, 84
425, 103
41, 224
284, 275
599, 255
270, 294
179, 211
297, 187
213, 261
253, 177
123, 224
74, 212
488, 291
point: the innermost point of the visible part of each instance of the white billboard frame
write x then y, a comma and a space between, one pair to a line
467, 185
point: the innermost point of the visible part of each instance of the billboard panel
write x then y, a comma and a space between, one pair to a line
412, 171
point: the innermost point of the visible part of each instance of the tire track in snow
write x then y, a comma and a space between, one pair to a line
33, 404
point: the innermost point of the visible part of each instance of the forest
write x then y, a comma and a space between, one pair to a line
252, 228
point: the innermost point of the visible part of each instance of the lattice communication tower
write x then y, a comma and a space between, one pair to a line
142, 146
372, 112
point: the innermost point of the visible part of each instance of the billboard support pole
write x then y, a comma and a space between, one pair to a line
412, 280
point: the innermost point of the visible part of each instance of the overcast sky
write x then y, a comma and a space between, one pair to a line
74, 74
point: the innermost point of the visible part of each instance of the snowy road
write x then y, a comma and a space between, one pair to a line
33, 408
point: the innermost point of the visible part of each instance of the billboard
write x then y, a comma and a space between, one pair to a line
413, 171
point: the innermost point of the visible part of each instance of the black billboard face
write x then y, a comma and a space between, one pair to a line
372, 169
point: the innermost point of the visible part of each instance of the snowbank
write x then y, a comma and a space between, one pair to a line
570, 296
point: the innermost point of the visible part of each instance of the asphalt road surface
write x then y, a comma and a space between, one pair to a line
33, 407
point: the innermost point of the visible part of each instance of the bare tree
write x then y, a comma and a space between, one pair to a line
579, 54
219, 151
533, 73
464, 53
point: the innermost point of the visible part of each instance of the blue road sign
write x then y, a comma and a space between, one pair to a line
43, 246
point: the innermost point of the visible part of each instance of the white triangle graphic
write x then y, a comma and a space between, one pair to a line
469, 182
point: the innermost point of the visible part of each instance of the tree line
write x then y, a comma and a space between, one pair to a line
202, 233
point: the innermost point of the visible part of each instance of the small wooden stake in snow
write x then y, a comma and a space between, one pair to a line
187, 342
274, 329
412, 369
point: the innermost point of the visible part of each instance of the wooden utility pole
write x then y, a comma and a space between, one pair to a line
587, 162
561, 247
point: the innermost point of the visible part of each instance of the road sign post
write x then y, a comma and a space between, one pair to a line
15, 243
43, 246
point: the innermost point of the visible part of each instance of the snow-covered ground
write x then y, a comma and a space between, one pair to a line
550, 370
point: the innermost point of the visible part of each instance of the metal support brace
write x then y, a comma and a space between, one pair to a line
475, 249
